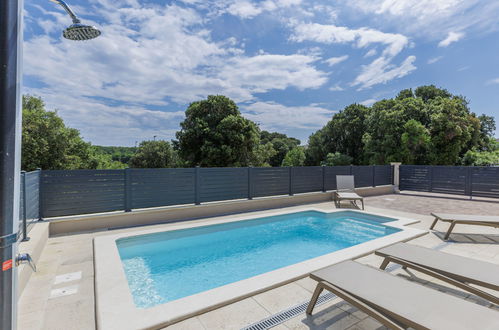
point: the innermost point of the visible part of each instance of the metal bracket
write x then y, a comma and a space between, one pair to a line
8, 240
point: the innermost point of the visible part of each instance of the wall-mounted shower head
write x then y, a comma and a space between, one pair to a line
77, 31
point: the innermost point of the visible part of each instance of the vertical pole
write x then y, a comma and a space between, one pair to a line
128, 190
396, 176
323, 178
470, 180
10, 156
25, 225
431, 177
374, 175
197, 184
40, 206
351, 169
250, 182
290, 180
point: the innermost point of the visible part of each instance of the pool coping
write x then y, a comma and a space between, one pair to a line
114, 305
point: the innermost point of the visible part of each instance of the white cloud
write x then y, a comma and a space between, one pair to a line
493, 81
335, 60
432, 19
135, 66
247, 9
368, 102
451, 37
381, 70
336, 88
371, 52
434, 59
274, 116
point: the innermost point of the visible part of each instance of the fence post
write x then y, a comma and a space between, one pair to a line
25, 225
323, 178
351, 169
290, 180
40, 194
197, 184
128, 191
469, 180
250, 182
431, 178
396, 176
374, 174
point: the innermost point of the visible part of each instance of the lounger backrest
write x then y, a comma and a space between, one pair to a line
345, 183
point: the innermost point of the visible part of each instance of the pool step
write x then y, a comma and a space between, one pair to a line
287, 314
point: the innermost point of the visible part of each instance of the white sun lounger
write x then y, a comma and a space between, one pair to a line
456, 270
345, 190
398, 303
464, 219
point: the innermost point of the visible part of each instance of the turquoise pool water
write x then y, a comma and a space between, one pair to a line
165, 266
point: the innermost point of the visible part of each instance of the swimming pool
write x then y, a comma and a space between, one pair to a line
166, 266
116, 299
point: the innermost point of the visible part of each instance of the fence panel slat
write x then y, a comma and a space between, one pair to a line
218, 184
307, 179
485, 182
81, 191
415, 177
270, 181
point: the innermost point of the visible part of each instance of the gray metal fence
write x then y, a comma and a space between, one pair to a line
92, 191
29, 211
458, 180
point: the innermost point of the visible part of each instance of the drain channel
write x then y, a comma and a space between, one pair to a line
287, 314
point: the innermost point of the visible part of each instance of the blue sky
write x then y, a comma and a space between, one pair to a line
289, 64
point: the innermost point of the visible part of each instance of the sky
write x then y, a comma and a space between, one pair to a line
288, 64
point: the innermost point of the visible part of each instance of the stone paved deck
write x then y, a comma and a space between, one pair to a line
69, 303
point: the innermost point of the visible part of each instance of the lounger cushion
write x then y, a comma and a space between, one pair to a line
348, 195
466, 217
407, 300
470, 270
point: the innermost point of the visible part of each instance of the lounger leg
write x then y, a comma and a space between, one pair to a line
449, 231
318, 290
434, 223
362, 204
384, 263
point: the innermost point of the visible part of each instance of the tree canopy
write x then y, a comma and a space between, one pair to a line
281, 143
215, 134
48, 144
427, 126
154, 154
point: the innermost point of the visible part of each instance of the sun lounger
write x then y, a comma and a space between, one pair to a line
345, 190
464, 219
398, 303
456, 270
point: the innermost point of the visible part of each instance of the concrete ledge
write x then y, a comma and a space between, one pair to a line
103, 221
39, 235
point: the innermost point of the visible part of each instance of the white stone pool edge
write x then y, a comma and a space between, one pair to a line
114, 304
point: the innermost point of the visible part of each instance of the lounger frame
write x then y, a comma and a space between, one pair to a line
448, 278
348, 187
453, 223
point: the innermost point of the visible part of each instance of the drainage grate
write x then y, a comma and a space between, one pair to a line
287, 314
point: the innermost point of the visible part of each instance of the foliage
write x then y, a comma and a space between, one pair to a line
215, 134
48, 144
118, 154
482, 158
294, 157
154, 154
343, 134
337, 159
415, 143
281, 143
427, 126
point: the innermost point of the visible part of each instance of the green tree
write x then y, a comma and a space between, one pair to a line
430, 92
415, 143
154, 154
215, 134
337, 159
295, 157
48, 144
343, 134
281, 143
